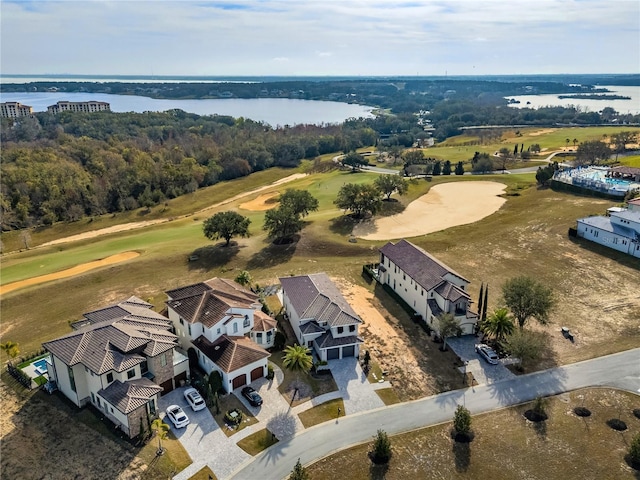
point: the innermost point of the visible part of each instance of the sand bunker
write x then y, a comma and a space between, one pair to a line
542, 132
444, 206
103, 231
69, 272
261, 203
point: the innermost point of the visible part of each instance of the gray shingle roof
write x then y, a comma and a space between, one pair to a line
131, 395
315, 296
328, 341
116, 343
231, 353
424, 269
451, 292
434, 307
311, 327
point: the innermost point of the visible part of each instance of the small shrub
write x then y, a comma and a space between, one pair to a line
233, 420
270, 372
582, 412
462, 423
617, 424
633, 457
299, 472
381, 452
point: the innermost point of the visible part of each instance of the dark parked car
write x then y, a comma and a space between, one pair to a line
250, 394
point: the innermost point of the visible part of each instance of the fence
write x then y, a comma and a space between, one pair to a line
19, 375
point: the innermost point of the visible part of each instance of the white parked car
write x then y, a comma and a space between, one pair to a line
487, 353
177, 416
194, 399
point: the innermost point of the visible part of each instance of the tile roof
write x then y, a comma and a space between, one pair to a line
424, 269
311, 327
451, 292
131, 395
635, 201
328, 341
116, 343
263, 322
434, 307
316, 296
208, 302
231, 353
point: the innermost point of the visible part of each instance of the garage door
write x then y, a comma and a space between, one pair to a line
167, 386
257, 373
239, 381
348, 351
180, 379
333, 353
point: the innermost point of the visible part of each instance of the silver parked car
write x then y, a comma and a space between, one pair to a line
487, 353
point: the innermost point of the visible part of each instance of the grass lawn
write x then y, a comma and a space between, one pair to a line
307, 385
507, 446
230, 402
630, 161
375, 372
388, 396
321, 413
257, 442
204, 474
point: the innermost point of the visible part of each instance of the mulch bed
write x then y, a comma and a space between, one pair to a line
534, 416
582, 411
636, 412
462, 437
617, 424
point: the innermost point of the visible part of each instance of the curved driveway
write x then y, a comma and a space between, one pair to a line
620, 370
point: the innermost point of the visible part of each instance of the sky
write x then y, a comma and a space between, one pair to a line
319, 37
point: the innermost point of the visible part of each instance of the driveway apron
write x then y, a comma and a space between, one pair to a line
482, 371
357, 393
203, 440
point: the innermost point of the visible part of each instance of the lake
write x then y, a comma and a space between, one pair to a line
274, 111
621, 106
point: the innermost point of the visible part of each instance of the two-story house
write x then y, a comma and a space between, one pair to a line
426, 284
320, 316
120, 359
217, 318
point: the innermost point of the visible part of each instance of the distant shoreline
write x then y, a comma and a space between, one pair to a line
595, 96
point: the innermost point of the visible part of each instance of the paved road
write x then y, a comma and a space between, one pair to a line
621, 370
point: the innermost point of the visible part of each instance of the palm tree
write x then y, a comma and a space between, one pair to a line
499, 325
161, 430
297, 358
567, 141
10, 348
575, 140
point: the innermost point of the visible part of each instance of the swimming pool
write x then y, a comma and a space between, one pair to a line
40, 366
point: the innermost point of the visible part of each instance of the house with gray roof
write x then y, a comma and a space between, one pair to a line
320, 316
120, 359
223, 322
619, 230
426, 284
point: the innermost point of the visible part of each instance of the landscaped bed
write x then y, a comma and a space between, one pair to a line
228, 423
304, 386
506, 446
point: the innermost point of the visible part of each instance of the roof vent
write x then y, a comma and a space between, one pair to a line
217, 347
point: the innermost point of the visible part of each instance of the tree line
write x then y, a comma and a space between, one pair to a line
65, 167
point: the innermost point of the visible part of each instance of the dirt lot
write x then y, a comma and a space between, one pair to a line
416, 366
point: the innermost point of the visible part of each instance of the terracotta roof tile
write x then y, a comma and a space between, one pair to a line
263, 322
231, 353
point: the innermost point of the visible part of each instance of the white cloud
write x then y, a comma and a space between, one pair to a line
368, 37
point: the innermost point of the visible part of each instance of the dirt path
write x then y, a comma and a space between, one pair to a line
444, 206
69, 272
135, 225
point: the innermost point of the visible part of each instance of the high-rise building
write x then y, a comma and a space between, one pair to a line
14, 110
86, 107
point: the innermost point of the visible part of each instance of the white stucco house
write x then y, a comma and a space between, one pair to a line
620, 230
320, 316
120, 359
426, 284
217, 318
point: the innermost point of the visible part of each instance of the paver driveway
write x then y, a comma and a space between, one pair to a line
483, 372
203, 440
